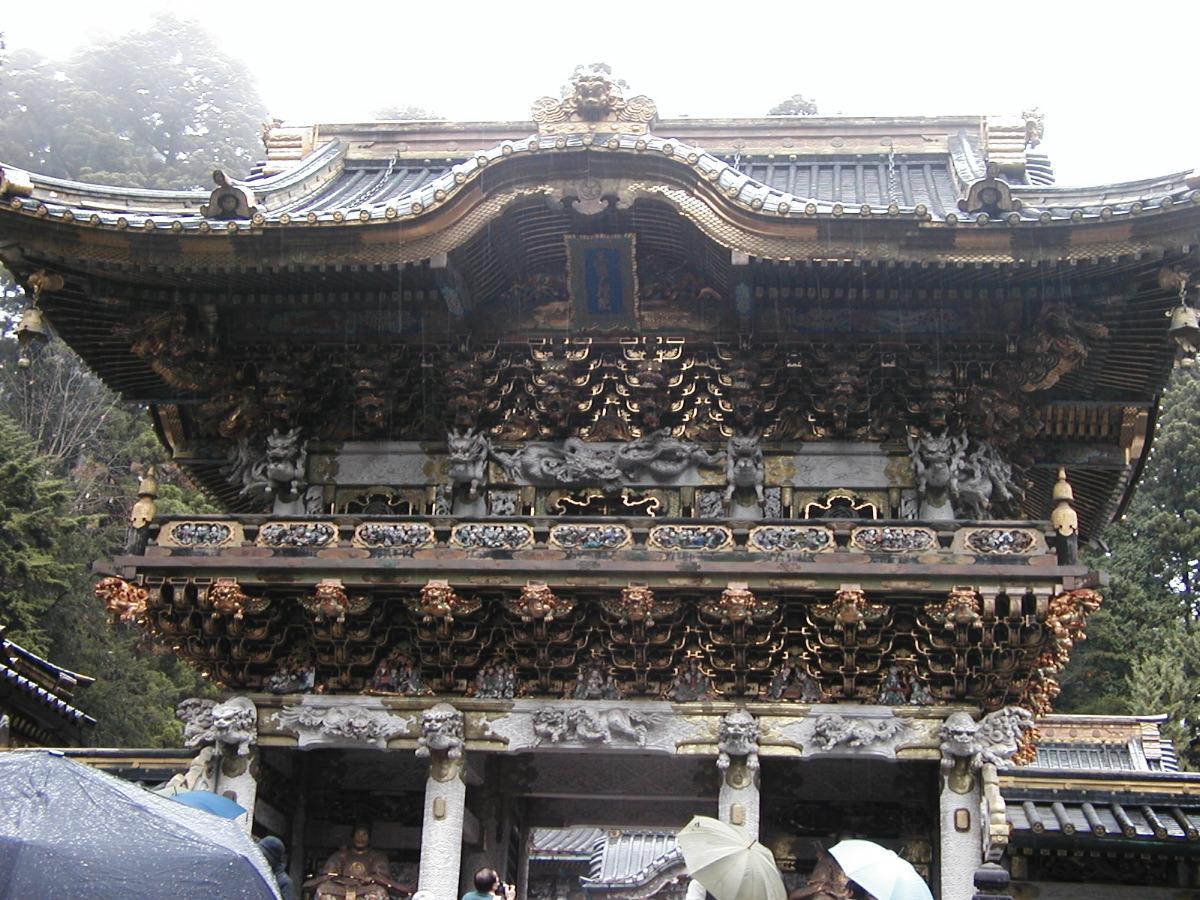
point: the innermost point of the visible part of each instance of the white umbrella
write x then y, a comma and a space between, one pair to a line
879, 871
728, 863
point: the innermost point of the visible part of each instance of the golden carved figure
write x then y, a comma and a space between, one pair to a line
357, 873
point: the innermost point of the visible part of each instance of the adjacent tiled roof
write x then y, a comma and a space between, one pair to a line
629, 859
18, 670
578, 842
1104, 744
1162, 820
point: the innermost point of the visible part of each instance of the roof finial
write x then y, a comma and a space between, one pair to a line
594, 101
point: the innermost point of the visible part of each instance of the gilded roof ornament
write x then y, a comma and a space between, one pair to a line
594, 101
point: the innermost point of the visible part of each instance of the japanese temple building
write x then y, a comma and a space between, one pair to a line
586, 473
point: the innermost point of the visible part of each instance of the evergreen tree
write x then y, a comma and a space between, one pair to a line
1143, 650
34, 523
795, 105
161, 108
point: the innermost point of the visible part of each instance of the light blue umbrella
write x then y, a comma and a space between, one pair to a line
879, 871
217, 804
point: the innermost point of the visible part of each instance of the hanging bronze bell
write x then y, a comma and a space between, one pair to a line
31, 330
1185, 328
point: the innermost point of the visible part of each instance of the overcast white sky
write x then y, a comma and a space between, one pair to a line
1117, 82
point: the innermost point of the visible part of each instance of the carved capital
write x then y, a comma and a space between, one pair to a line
737, 738
442, 741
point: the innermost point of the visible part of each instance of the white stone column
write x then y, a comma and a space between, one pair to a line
441, 834
738, 801
962, 838
442, 743
737, 745
236, 780
968, 749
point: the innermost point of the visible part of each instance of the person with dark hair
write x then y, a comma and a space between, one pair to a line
276, 855
487, 886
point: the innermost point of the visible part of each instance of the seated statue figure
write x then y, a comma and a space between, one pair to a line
356, 873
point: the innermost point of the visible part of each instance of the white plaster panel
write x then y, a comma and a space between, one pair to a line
847, 464
382, 462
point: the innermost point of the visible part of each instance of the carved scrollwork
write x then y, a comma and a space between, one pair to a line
125, 602
593, 97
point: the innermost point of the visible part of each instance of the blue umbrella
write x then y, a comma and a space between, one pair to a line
216, 804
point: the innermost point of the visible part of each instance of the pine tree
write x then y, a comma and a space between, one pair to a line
35, 521
1143, 649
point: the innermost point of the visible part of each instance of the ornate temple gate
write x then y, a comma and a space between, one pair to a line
596, 445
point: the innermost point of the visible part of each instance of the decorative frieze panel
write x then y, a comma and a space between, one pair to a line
343, 725
590, 537
829, 730
1001, 541
201, 534
297, 534
596, 725
480, 536
893, 539
690, 537
393, 535
791, 539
